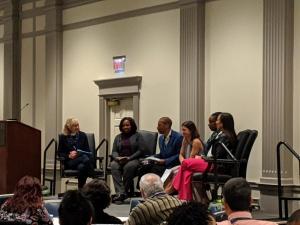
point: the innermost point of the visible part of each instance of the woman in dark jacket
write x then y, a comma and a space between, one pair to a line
227, 136
74, 148
128, 147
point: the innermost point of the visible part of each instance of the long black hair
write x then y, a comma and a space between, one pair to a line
228, 126
132, 124
193, 129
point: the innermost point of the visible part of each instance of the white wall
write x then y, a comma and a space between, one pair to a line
234, 54
296, 140
151, 44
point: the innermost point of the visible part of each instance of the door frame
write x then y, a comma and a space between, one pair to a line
122, 87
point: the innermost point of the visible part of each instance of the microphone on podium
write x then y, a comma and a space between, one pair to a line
19, 112
27, 104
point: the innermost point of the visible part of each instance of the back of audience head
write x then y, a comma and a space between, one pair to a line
75, 209
98, 192
150, 184
164, 125
237, 195
192, 213
294, 218
212, 121
225, 123
27, 195
191, 129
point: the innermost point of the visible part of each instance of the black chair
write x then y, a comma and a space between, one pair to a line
238, 164
150, 140
98, 171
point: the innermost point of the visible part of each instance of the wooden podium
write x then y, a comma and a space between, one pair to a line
20, 153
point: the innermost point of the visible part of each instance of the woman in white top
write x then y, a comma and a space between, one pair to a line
191, 147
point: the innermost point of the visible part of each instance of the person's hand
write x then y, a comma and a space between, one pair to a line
161, 162
198, 157
73, 154
123, 160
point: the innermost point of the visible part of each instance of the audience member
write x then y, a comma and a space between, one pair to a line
74, 147
213, 127
26, 205
237, 201
98, 192
128, 147
169, 145
75, 209
157, 205
191, 147
294, 218
191, 213
226, 135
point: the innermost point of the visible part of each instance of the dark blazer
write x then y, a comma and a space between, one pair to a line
170, 152
64, 148
137, 146
219, 152
209, 142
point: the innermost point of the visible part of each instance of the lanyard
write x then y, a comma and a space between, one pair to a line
234, 220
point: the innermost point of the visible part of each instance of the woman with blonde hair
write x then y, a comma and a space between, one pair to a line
26, 205
74, 148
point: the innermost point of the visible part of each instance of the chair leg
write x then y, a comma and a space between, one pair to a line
214, 193
280, 208
286, 210
199, 192
66, 183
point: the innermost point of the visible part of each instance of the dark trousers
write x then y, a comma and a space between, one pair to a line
123, 175
84, 166
150, 168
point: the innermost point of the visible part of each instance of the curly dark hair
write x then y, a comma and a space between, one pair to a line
192, 213
27, 195
98, 192
132, 124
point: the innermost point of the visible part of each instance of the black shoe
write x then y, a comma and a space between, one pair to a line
119, 199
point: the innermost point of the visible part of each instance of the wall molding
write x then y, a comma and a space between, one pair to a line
12, 61
116, 88
123, 15
192, 58
277, 86
75, 3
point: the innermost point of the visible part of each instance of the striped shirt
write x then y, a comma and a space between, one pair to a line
155, 210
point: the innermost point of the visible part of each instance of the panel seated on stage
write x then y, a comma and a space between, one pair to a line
20, 153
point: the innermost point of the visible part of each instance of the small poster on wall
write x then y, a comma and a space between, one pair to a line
119, 64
